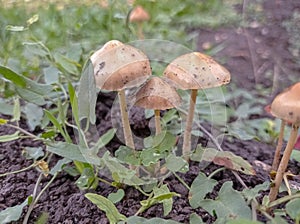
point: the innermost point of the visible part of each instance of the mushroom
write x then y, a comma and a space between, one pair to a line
195, 71
118, 66
286, 106
158, 95
139, 15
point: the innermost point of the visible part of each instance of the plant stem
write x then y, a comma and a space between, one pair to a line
186, 147
23, 131
157, 122
140, 33
284, 162
125, 120
182, 181
283, 200
278, 147
215, 172
18, 171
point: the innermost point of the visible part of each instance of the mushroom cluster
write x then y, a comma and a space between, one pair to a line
285, 106
118, 66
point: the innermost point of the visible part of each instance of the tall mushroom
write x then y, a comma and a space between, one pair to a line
158, 95
139, 15
118, 66
195, 71
286, 106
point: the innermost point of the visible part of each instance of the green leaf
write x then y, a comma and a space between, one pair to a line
199, 188
104, 139
59, 165
228, 205
17, 110
26, 88
127, 155
12, 213
51, 75
15, 78
141, 220
107, 206
59, 127
116, 197
66, 63
74, 152
34, 152
87, 179
167, 203
7, 138
296, 155
87, 95
251, 194
195, 219
176, 164
6, 108
223, 158
34, 115
293, 209
74, 103
163, 196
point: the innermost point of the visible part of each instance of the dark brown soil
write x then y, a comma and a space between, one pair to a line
248, 52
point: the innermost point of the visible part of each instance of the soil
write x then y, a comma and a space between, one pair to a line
248, 52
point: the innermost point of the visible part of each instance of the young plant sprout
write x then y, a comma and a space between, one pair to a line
139, 15
195, 71
118, 66
286, 106
158, 95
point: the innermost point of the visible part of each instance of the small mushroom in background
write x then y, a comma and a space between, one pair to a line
195, 71
286, 106
158, 95
139, 15
118, 66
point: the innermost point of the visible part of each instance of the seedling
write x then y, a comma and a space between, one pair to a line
139, 15
118, 66
286, 106
158, 95
195, 71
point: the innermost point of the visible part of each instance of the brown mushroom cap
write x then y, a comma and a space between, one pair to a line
118, 66
286, 105
158, 95
138, 14
196, 71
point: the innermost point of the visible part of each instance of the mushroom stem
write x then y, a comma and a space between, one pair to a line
125, 120
278, 147
284, 162
186, 148
140, 33
157, 122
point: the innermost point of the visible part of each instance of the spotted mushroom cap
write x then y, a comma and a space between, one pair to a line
158, 95
118, 66
286, 105
196, 71
138, 14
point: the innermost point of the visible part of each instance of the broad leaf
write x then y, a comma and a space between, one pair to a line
200, 187
59, 165
229, 204
34, 115
87, 95
250, 194
195, 219
116, 197
293, 208
107, 206
74, 152
167, 203
12, 213
223, 158
176, 164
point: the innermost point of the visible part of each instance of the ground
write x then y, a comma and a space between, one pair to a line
248, 53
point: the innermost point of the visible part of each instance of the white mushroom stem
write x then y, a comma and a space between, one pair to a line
140, 32
125, 120
284, 162
278, 147
186, 148
157, 122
